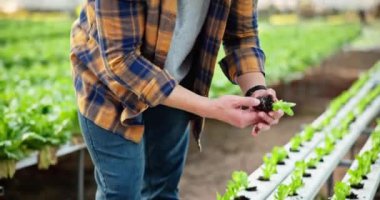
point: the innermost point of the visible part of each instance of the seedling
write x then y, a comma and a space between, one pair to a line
341, 190
320, 152
239, 181
282, 192
301, 166
279, 154
329, 145
355, 177
374, 152
308, 133
295, 143
268, 170
267, 104
338, 133
364, 163
312, 163
296, 183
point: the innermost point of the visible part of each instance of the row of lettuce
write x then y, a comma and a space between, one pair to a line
303, 168
365, 160
37, 105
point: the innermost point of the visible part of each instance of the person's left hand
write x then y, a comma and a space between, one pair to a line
266, 119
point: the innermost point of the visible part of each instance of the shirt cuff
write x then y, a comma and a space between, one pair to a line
242, 61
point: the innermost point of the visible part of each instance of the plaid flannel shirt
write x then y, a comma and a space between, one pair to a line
119, 47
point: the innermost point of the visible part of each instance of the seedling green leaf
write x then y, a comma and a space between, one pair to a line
341, 190
284, 106
282, 192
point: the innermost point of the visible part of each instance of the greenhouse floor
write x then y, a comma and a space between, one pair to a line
225, 148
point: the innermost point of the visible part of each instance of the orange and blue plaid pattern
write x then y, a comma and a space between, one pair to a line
119, 47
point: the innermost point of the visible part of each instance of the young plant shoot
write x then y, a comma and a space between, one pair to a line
296, 183
309, 132
279, 154
282, 192
267, 104
355, 178
238, 182
295, 143
341, 190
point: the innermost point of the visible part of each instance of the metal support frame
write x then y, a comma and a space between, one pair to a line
63, 150
330, 184
81, 174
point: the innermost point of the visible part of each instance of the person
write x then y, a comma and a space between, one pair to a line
142, 71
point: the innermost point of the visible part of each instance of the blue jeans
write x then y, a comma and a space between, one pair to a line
149, 170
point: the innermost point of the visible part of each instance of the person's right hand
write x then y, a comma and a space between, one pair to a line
228, 109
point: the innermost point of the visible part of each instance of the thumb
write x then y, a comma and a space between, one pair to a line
247, 102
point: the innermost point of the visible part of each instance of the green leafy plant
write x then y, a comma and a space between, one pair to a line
279, 154
355, 177
284, 106
239, 181
364, 162
296, 183
268, 170
341, 190
295, 143
309, 132
320, 152
301, 166
282, 192
338, 133
329, 145
312, 162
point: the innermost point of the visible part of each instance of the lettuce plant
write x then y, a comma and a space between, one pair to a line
320, 152
296, 183
338, 133
301, 166
295, 143
279, 154
341, 190
355, 177
329, 145
284, 106
364, 162
282, 192
312, 162
309, 132
239, 181
268, 170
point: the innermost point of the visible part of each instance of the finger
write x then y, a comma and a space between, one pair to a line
263, 127
276, 114
266, 118
258, 128
247, 102
259, 93
272, 93
255, 131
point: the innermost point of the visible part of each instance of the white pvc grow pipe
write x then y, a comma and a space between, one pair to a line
319, 176
265, 188
372, 183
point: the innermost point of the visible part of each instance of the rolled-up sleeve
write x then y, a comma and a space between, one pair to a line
241, 41
120, 25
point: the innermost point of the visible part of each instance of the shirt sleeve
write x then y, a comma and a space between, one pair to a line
120, 25
241, 42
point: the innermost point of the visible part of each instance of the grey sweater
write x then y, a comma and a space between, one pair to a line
191, 15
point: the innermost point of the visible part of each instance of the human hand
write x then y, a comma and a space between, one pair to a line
228, 109
266, 119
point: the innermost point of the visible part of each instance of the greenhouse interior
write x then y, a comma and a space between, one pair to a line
291, 93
